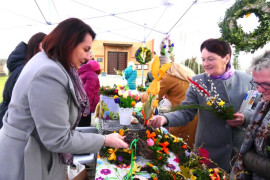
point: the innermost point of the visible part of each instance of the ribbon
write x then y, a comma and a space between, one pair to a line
164, 147
151, 135
130, 173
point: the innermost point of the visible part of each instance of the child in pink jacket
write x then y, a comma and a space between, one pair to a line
89, 75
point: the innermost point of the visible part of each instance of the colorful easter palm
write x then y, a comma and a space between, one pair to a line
213, 103
149, 99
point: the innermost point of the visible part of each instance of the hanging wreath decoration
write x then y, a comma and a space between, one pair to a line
234, 34
146, 52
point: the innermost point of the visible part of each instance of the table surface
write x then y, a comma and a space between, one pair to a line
109, 126
106, 171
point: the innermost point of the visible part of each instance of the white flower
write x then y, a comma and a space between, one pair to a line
125, 95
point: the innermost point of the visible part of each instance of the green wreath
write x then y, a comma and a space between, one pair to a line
146, 52
234, 34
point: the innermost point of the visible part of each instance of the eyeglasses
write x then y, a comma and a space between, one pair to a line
264, 85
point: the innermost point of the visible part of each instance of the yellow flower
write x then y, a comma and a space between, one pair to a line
193, 177
221, 103
209, 103
115, 97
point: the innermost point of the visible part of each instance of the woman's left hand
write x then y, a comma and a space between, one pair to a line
238, 121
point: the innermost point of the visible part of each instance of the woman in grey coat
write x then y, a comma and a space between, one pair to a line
253, 161
38, 137
220, 137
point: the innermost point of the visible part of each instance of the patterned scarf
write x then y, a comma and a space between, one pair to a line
229, 73
252, 137
84, 108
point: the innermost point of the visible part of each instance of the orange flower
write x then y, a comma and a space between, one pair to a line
160, 157
184, 146
133, 103
122, 132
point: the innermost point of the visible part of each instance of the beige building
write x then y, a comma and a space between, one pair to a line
116, 55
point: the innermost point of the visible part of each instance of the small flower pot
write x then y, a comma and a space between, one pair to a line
125, 115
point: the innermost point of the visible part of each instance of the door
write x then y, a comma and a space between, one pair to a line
117, 60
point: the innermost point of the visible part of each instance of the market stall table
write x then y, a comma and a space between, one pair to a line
106, 170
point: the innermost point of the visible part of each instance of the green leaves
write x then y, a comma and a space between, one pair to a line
225, 112
234, 34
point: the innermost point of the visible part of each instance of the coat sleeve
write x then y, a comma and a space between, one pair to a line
257, 164
50, 101
182, 117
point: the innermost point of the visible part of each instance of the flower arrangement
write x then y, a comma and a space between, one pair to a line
108, 91
140, 88
125, 99
147, 54
156, 146
213, 103
235, 35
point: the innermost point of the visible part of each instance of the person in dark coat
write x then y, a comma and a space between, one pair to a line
149, 78
15, 63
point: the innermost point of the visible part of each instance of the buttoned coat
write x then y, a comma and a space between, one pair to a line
37, 126
213, 133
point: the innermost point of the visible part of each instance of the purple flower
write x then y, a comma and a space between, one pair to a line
105, 171
164, 46
119, 158
117, 100
136, 54
171, 166
99, 178
172, 44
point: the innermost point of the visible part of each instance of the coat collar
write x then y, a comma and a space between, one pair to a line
70, 84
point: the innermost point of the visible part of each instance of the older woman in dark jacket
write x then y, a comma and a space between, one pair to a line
222, 138
254, 155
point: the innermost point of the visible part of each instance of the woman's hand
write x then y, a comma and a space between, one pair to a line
238, 121
115, 140
157, 121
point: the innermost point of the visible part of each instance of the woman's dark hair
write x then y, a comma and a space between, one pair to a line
219, 47
61, 42
33, 45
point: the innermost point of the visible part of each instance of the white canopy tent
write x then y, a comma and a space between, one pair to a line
189, 22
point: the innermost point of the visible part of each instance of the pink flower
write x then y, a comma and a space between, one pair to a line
136, 97
150, 142
129, 94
